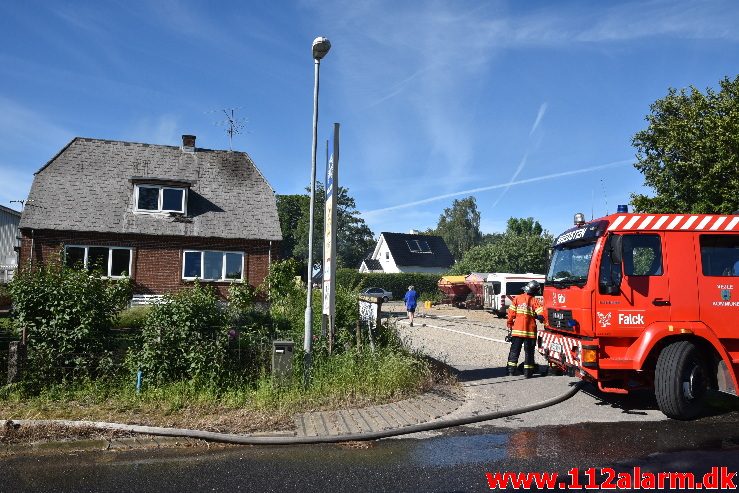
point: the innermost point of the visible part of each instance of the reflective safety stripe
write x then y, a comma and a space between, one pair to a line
528, 334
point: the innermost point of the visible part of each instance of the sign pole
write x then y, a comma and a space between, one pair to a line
329, 238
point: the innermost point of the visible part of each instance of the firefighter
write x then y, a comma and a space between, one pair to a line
523, 313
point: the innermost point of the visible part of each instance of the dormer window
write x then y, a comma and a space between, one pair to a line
160, 198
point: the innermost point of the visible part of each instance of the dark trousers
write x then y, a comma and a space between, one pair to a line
528, 351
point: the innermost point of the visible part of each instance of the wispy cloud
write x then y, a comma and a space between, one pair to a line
16, 184
156, 130
498, 186
23, 128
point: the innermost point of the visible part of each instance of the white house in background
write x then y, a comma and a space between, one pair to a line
9, 220
412, 252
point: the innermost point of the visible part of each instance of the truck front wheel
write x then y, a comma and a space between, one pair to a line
681, 381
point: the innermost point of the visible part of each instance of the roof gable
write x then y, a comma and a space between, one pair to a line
372, 264
10, 211
88, 186
418, 250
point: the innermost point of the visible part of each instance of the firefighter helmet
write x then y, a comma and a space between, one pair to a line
533, 288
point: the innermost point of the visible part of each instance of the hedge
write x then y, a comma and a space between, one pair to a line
426, 284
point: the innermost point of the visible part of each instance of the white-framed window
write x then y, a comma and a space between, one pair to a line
159, 198
113, 262
210, 265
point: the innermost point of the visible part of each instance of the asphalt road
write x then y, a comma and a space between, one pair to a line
456, 460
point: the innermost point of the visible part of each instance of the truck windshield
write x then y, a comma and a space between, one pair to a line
570, 264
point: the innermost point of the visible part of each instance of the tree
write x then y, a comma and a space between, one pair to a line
353, 237
522, 248
459, 225
689, 153
524, 226
290, 209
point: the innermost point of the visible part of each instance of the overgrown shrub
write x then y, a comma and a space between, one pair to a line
133, 317
185, 337
5, 299
287, 308
241, 298
68, 315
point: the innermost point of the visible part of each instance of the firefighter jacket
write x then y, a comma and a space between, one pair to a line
522, 315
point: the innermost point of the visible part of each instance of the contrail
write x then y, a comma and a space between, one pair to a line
542, 110
502, 185
513, 179
539, 117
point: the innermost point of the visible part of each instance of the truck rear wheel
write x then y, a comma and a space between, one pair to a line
681, 381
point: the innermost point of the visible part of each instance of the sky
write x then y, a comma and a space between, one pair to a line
530, 107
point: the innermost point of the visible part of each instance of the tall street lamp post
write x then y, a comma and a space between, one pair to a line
321, 46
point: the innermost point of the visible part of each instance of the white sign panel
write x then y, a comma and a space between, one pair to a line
329, 233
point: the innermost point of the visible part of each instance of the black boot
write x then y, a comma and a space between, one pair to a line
511, 370
528, 372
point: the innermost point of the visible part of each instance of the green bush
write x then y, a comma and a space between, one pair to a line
185, 337
68, 315
426, 284
241, 298
133, 317
5, 299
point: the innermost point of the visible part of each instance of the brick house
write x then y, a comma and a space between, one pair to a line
163, 215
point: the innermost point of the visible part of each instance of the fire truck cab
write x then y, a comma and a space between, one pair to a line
647, 300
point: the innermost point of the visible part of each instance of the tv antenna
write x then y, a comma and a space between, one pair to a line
605, 197
233, 125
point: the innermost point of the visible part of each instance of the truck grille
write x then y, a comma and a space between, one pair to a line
558, 319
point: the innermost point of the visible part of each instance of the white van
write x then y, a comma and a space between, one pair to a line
500, 288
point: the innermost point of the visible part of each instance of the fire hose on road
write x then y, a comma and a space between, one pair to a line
294, 440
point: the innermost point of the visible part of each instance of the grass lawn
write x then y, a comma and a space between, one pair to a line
344, 381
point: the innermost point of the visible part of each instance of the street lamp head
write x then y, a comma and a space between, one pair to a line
321, 46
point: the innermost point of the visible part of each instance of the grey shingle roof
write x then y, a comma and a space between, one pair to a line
88, 187
439, 256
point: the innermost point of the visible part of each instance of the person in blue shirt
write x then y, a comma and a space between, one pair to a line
411, 300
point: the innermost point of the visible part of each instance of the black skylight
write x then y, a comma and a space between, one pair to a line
418, 246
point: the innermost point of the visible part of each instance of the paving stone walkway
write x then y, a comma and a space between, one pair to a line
430, 406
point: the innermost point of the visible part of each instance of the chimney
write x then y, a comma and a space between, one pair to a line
188, 143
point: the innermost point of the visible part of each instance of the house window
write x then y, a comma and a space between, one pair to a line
155, 198
213, 265
387, 255
111, 261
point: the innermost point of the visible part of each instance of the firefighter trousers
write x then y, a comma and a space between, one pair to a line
528, 344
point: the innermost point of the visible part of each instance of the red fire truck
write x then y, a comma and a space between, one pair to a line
647, 300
